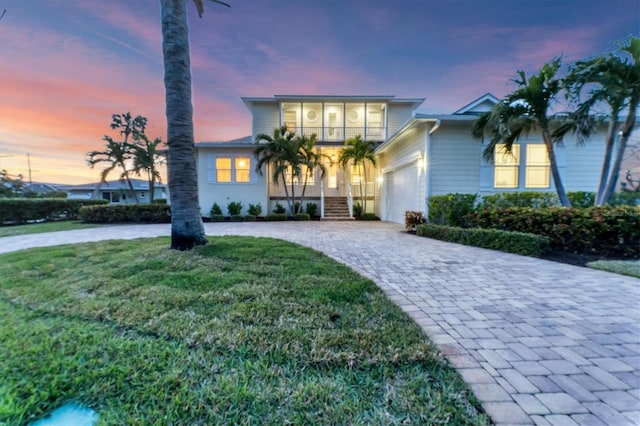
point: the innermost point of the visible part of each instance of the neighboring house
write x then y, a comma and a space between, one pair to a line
116, 191
418, 156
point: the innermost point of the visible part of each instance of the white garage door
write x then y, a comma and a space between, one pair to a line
402, 193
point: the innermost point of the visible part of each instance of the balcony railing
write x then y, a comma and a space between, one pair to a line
340, 133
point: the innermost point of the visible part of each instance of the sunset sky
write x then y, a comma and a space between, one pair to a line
67, 65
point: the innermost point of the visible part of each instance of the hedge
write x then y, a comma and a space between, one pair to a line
22, 210
137, 213
606, 230
275, 217
510, 242
451, 209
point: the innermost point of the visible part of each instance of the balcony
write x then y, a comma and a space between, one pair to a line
342, 133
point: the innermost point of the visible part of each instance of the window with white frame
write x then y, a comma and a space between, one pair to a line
223, 169
299, 180
243, 169
506, 166
537, 169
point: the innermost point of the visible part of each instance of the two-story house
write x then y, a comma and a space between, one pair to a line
418, 155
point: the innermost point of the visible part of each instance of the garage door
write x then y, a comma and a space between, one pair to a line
402, 193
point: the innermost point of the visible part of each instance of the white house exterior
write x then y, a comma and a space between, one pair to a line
418, 155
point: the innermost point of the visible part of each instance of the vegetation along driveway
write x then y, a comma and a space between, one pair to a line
538, 341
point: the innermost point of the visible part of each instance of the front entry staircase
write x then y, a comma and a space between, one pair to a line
336, 208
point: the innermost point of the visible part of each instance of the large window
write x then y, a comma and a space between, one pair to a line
507, 165
300, 179
537, 173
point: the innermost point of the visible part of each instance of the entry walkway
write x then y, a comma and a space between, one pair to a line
538, 342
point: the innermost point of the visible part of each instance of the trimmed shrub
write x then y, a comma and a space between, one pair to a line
510, 242
519, 199
413, 219
625, 198
137, 213
275, 217
312, 209
369, 216
302, 216
279, 209
254, 209
215, 210
250, 217
237, 218
21, 210
581, 199
357, 210
607, 230
159, 201
234, 208
217, 218
451, 209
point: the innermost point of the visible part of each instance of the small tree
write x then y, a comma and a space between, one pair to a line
147, 158
359, 152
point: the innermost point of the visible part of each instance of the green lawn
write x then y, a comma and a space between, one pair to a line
242, 331
624, 267
36, 228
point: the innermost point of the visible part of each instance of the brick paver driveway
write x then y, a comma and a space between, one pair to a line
538, 342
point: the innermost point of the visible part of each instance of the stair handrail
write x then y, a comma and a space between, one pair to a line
321, 199
349, 199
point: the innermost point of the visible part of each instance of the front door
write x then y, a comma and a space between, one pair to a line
334, 179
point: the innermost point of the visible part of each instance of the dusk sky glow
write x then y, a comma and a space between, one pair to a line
67, 65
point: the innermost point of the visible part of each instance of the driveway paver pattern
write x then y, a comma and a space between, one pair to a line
538, 342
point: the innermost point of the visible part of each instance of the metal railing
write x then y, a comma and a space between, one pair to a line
341, 133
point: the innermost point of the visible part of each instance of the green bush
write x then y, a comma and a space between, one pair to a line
302, 216
250, 217
255, 209
217, 218
607, 230
237, 218
215, 210
510, 242
279, 209
312, 209
451, 209
413, 219
357, 210
234, 208
21, 210
518, 199
581, 199
625, 198
137, 213
369, 216
275, 217
159, 201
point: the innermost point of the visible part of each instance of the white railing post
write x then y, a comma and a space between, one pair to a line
321, 199
349, 199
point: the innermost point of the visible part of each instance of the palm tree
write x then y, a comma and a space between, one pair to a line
617, 83
281, 152
359, 152
528, 109
118, 154
147, 158
187, 230
311, 159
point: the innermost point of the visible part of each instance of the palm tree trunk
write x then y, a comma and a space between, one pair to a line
364, 173
606, 164
555, 172
152, 186
187, 229
363, 200
286, 189
627, 129
133, 191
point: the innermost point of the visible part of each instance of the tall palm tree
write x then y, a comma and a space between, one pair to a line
147, 158
525, 110
617, 83
187, 230
359, 152
311, 159
115, 155
280, 152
